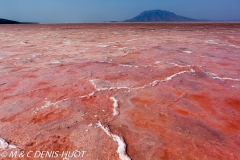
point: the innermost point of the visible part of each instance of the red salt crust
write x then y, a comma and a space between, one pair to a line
177, 87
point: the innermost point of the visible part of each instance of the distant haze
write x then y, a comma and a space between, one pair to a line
72, 11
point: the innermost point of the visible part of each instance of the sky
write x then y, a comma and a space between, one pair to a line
72, 11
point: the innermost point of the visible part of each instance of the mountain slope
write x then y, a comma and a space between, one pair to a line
159, 16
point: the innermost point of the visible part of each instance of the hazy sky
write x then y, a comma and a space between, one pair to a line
65, 11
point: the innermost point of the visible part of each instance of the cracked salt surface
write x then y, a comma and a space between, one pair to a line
121, 143
5, 145
110, 86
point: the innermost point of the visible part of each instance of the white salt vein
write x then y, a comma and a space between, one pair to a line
115, 106
121, 144
215, 76
174, 75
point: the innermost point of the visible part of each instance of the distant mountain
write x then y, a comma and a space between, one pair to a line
6, 21
160, 16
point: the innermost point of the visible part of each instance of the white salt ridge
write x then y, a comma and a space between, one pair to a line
151, 84
48, 104
22, 42
154, 83
189, 52
127, 65
234, 46
115, 106
67, 43
158, 62
102, 61
178, 65
5, 145
90, 125
148, 66
215, 76
211, 42
131, 40
88, 95
98, 89
91, 94
174, 75
94, 81
111, 88
141, 87
122, 48
55, 62
102, 45
106, 61
121, 144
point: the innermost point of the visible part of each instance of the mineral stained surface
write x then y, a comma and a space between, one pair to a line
140, 91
